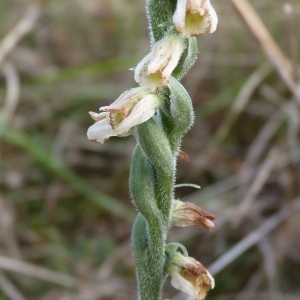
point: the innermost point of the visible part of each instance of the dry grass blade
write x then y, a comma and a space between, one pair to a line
289, 17
23, 27
294, 125
269, 264
9, 42
268, 44
220, 188
106, 269
10, 264
263, 138
7, 228
259, 181
13, 91
249, 295
9, 289
242, 100
254, 237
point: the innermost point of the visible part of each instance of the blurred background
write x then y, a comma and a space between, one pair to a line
65, 211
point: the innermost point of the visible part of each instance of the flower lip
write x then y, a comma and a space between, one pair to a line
101, 131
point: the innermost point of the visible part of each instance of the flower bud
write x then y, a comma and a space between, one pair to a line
188, 214
195, 17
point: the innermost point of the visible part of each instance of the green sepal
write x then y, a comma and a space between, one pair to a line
187, 59
156, 146
171, 249
139, 239
142, 184
181, 110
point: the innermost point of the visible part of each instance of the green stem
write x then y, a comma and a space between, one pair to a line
149, 241
150, 280
160, 14
152, 174
155, 144
164, 194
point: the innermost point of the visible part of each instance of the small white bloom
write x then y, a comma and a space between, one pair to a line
154, 70
189, 276
133, 107
195, 17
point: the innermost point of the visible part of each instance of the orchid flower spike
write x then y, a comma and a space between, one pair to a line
195, 17
190, 276
154, 70
132, 108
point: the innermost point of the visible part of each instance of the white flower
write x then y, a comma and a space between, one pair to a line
189, 214
189, 276
154, 70
133, 107
195, 17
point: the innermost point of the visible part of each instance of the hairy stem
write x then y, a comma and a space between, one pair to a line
159, 14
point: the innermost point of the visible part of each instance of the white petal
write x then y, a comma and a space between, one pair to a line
97, 117
212, 280
179, 15
177, 51
213, 19
100, 131
142, 112
141, 68
154, 70
166, 50
179, 283
127, 100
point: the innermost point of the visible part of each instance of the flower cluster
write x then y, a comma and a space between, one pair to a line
191, 17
